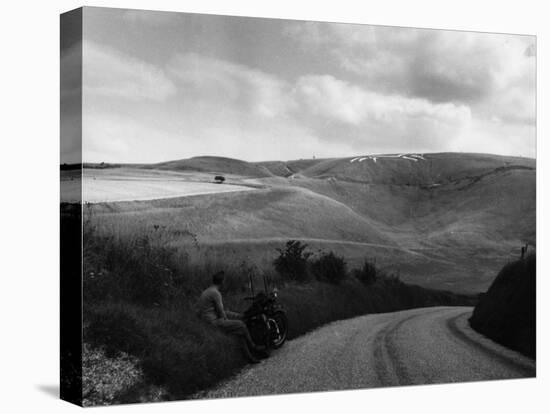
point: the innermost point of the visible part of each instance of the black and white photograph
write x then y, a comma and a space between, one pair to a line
258, 206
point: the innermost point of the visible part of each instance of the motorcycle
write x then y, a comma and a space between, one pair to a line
266, 319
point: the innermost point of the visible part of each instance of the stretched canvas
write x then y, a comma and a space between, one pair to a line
256, 206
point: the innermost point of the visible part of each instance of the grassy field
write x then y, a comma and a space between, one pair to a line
132, 184
445, 221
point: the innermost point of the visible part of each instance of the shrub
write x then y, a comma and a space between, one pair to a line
329, 268
390, 280
368, 274
292, 261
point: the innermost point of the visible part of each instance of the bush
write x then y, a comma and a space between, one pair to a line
292, 261
329, 268
368, 274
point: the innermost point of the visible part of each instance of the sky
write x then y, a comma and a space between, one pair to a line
160, 86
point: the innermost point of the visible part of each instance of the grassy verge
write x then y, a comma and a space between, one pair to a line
139, 313
507, 312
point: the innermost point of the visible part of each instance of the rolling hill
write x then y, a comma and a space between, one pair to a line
216, 165
447, 220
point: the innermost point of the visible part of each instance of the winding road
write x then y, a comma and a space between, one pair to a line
419, 346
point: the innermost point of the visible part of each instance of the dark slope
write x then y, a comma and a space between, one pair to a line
507, 312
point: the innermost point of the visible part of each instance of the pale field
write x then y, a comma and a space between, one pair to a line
127, 184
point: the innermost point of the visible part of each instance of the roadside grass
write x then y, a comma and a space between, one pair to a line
139, 306
175, 350
507, 312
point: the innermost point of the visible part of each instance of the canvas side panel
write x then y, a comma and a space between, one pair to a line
71, 207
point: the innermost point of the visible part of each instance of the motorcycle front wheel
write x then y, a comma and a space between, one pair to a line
280, 330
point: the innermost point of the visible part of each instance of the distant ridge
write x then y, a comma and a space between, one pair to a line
415, 169
425, 170
219, 165
400, 169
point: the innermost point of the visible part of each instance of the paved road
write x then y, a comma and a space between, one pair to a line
420, 346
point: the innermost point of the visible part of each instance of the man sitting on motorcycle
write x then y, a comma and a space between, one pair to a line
212, 311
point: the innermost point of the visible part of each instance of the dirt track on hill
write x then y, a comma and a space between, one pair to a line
420, 346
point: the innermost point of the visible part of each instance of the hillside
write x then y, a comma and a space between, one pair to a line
217, 165
507, 312
408, 169
288, 168
440, 220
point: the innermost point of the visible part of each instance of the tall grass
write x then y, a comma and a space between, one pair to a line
140, 296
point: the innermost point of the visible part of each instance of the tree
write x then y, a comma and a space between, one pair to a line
329, 268
367, 274
292, 261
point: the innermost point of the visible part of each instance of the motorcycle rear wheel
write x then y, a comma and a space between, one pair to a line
279, 338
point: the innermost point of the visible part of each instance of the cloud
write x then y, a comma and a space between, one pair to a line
108, 137
219, 108
367, 118
149, 17
199, 105
439, 65
323, 106
70, 108
117, 138
482, 135
329, 97
113, 74
208, 79
442, 90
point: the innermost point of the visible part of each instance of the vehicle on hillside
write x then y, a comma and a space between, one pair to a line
265, 318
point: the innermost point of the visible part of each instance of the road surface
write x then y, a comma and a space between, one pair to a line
419, 346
